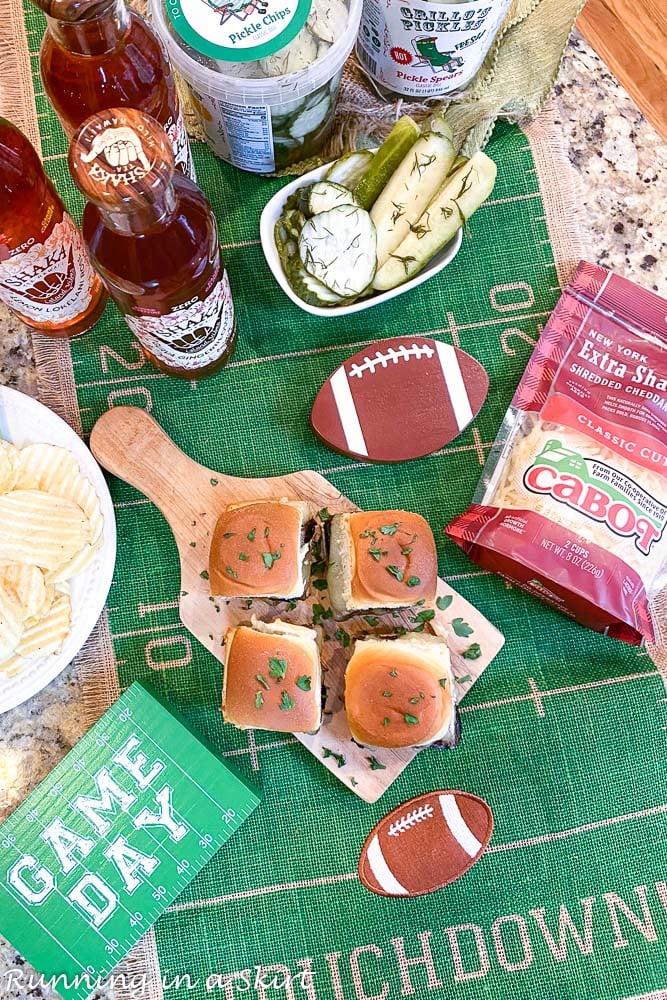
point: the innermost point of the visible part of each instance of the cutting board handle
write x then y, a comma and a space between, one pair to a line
128, 442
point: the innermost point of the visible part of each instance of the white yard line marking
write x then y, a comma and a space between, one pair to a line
512, 198
537, 695
515, 845
656, 995
147, 609
547, 838
252, 750
145, 631
241, 243
242, 751
306, 883
312, 351
588, 685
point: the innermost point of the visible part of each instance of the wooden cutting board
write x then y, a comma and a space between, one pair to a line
131, 444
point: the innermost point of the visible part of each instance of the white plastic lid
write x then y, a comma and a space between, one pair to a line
265, 63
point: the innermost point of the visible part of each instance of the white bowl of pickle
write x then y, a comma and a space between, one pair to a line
375, 223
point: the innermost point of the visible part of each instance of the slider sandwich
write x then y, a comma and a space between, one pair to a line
273, 677
401, 692
259, 549
380, 559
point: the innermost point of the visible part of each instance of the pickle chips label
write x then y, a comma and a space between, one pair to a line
238, 30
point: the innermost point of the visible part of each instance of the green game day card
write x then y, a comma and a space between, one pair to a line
101, 848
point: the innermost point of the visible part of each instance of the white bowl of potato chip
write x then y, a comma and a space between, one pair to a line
57, 546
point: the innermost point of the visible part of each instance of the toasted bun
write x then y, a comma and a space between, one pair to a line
255, 695
381, 559
257, 550
399, 692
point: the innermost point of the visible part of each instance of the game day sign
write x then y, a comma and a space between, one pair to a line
100, 849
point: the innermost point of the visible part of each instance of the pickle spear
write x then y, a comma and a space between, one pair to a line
461, 195
403, 135
416, 179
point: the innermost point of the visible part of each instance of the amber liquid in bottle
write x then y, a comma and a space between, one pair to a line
152, 236
46, 277
99, 54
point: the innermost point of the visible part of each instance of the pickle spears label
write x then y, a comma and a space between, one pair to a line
238, 30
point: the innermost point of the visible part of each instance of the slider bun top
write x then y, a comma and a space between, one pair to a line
381, 559
263, 664
399, 692
257, 550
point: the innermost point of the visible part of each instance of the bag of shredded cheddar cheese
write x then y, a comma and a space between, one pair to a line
572, 504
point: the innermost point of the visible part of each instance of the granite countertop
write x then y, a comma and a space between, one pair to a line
622, 166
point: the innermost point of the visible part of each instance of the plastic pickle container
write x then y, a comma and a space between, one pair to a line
263, 75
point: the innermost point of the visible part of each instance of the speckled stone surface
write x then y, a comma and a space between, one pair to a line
622, 164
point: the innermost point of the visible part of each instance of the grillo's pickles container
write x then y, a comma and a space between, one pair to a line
263, 75
423, 50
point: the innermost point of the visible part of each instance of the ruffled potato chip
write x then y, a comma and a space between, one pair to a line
12, 625
48, 634
38, 529
27, 587
45, 467
55, 470
9, 464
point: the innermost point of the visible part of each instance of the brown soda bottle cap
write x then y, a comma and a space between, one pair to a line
73, 10
122, 160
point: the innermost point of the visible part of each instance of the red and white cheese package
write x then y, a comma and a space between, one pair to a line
572, 505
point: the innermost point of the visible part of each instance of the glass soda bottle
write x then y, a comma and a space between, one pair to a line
99, 54
46, 277
152, 236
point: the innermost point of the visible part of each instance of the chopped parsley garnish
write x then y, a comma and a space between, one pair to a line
243, 556
338, 757
442, 603
411, 720
393, 673
277, 668
266, 531
424, 616
385, 721
319, 567
414, 701
251, 535
193, 545
232, 572
375, 764
214, 482
443, 682
229, 534
462, 628
376, 553
320, 613
386, 694
464, 679
303, 682
395, 571
291, 605
204, 574
368, 533
413, 581
320, 584
371, 620
473, 652
286, 703
324, 514
342, 637
390, 529
259, 699
261, 679
406, 552
269, 558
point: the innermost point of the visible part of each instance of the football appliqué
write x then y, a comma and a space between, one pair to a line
425, 844
401, 398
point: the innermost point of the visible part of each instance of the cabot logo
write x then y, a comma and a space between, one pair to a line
599, 492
